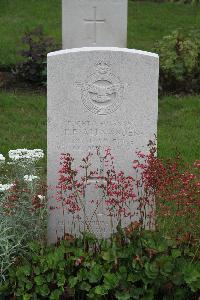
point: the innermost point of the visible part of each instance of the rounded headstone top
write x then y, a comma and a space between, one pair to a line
111, 49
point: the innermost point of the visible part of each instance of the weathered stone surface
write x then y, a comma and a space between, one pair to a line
105, 97
91, 23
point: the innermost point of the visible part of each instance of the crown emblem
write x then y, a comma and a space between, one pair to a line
103, 67
102, 91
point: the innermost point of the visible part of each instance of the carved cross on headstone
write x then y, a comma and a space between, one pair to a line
95, 21
100, 180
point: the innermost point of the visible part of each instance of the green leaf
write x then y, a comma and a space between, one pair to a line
44, 290
151, 270
49, 277
109, 255
60, 280
39, 280
55, 295
19, 292
180, 293
23, 271
95, 274
123, 271
26, 297
176, 253
85, 286
177, 278
4, 288
82, 274
123, 253
26, 270
29, 285
37, 270
155, 242
149, 296
111, 280
34, 247
72, 281
133, 277
101, 290
166, 265
191, 273
122, 296
61, 266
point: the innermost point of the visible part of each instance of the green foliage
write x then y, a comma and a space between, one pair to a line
191, 275
33, 68
143, 265
23, 214
180, 62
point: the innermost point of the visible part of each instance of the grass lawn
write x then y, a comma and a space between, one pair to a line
23, 121
23, 124
148, 22
179, 127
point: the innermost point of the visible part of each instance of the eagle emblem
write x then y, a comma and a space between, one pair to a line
102, 92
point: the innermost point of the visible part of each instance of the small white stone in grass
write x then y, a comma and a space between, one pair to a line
30, 178
2, 158
21, 154
6, 187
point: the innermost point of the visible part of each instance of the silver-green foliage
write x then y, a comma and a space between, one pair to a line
10, 245
23, 214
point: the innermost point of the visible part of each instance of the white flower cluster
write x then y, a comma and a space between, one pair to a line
5, 187
23, 154
2, 158
30, 178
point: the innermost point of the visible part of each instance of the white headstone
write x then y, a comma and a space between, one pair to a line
92, 23
99, 97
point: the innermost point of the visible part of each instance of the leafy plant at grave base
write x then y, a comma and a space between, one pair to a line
33, 68
22, 206
134, 264
179, 62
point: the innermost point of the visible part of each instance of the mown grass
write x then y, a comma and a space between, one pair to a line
179, 127
147, 23
23, 121
23, 124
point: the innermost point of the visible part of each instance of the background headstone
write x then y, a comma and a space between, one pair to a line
99, 97
91, 23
